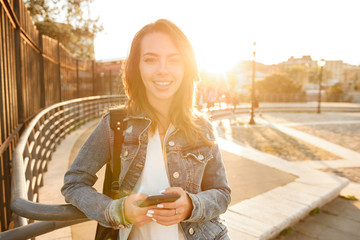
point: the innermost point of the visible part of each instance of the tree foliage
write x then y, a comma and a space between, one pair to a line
314, 75
336, 93
69, 22
278, 83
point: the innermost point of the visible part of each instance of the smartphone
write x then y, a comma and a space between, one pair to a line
156, 199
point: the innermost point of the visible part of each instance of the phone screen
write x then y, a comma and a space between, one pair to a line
156, 199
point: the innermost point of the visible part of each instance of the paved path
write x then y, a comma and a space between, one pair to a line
269, 194
340, 219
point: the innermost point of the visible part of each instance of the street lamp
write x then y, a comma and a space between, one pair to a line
321, 64
252, 121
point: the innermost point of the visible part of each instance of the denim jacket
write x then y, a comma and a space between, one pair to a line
197, 168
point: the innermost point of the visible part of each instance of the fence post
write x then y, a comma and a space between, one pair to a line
94, 77
59, 58
42, 73
110, 79
18, 66
77, 79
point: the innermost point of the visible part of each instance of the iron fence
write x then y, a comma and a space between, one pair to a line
35, 72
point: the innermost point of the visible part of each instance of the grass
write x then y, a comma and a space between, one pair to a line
350, 197
277, 143
314, 212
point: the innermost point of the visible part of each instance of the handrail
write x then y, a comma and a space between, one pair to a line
31, 154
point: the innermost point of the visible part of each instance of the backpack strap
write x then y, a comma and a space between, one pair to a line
117, 125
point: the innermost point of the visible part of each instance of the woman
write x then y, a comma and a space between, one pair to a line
167, 149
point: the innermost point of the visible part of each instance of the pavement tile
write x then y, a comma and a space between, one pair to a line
333, 234
308, 188
248, 225
310, 227
336, 207
275, 219
351, 213
236, 234
339, 223
294, 235
296, 196
352, 189
84, 231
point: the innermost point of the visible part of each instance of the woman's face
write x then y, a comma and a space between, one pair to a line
161, 67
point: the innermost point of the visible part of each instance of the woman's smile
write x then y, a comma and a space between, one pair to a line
161, 68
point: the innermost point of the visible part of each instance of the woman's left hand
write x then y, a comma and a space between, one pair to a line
172, 212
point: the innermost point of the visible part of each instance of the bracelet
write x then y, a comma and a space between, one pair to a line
116, 220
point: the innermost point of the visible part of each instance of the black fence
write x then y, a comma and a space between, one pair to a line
35, 73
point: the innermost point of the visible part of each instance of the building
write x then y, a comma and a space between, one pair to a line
109, 73
336, 70
299, 69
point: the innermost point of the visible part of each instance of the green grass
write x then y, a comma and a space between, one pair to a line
314, 211
350, 197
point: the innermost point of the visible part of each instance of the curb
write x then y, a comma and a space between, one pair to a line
266, 215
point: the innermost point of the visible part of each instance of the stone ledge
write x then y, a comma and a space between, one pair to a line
266, 215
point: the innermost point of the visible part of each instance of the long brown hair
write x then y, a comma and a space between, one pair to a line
182, 114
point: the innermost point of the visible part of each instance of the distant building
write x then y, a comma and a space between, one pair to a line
109, 72
305, 61
351, 77
336, 69
300, 68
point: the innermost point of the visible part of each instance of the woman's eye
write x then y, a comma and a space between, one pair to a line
175, 60
150, 60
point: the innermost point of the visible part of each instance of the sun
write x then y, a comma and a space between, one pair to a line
215, 64
218, 59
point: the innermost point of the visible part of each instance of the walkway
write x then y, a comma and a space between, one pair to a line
269, 194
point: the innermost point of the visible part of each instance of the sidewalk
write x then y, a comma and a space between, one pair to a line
269, 194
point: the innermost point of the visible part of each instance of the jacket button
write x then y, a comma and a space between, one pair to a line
191, 231
171, 143
176, 174
126, 153
200, 157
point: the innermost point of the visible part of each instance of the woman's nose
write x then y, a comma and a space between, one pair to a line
163, 67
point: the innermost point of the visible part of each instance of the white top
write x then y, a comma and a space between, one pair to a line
154, 178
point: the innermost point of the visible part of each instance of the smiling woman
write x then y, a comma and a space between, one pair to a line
168, 148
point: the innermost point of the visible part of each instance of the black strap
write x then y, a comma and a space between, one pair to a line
117, 125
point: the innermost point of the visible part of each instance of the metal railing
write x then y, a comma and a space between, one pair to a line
31, 156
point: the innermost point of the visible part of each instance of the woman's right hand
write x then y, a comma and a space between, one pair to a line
133, 213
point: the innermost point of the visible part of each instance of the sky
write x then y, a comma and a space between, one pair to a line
222, 32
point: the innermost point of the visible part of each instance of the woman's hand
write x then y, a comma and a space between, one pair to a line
173, 212
135, 214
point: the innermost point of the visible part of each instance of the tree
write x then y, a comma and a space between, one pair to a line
297, 73
314, 75
76, 30
335, 93
278, 83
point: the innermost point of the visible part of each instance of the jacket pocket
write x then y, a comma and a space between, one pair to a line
195, 160
201, 155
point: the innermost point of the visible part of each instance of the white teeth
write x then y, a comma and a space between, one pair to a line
163, 83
